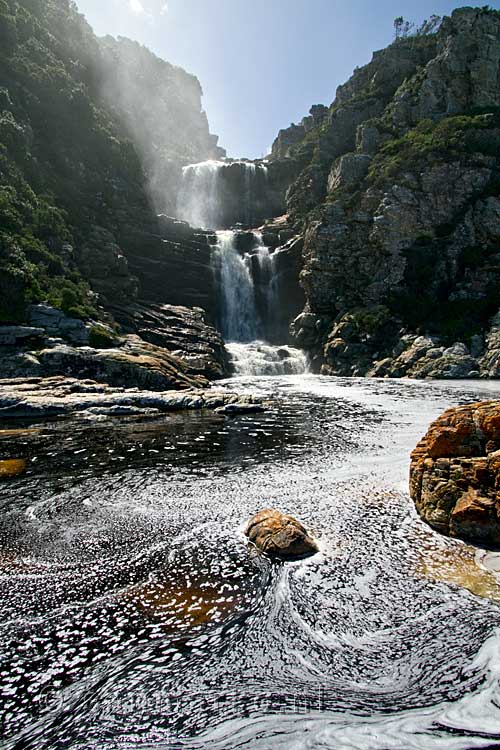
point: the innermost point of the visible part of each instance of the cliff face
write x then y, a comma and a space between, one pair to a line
78, 221
398, 203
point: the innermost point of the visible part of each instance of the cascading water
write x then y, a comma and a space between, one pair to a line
199, 198
238, 314
259, 358
249, 304
217, 194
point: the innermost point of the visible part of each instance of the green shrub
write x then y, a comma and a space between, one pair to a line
101, 338
446, 140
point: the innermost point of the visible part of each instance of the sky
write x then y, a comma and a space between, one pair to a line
261, 63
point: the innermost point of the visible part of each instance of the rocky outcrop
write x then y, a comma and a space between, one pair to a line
159, 347
182, 331
295, 134
53, 323
348, 171
490, 362
287, 261
455, 473
18, 335
103, 262
58, 396
337, 132
279, 535
133, 363
423, 357
399, 209
172, 263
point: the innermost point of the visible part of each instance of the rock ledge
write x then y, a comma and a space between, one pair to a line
60, 396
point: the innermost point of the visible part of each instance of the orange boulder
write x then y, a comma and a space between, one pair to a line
455, 473
279, 535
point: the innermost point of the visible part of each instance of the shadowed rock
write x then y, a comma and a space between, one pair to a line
241, 407
280, 535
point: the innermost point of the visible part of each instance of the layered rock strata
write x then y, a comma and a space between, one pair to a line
159, 347
60, 396
398, 204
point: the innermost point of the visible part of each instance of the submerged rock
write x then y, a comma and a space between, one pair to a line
280, 535
455, 473
241, 407
12, 467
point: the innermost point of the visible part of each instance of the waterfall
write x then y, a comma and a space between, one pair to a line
266, 284
238, 313
249, 304
259, 358
249, 300
199, 200
248, 193
217, 194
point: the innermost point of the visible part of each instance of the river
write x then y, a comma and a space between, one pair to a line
133, 614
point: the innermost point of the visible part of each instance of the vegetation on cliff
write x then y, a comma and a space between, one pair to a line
399, 204
73, 186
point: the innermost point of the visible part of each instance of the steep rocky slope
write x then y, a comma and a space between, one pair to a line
78, 223
398, 202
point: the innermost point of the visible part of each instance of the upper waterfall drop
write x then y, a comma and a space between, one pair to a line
199, 201
221, 194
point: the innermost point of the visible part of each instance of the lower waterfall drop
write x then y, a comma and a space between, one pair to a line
259, 358
248, 306
238, 314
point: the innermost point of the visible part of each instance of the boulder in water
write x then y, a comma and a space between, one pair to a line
280, 535
455, 473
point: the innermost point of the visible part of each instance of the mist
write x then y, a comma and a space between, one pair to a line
160, 108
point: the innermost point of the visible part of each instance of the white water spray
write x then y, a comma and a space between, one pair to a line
259, 358
238, 315
216, 194
199, 198
249, 304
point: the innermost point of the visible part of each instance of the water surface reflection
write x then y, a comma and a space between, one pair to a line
134, 615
